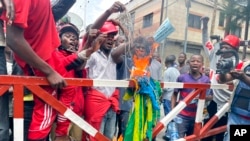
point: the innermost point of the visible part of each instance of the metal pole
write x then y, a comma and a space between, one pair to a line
188, 5
246, 30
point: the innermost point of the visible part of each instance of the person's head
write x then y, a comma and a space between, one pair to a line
170, 60
141, 47
207, 71
156, 56
64, 20
110, 29
230, 42
69, 35
182, 58
196, 63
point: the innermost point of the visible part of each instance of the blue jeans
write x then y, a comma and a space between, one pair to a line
166, 106
108, 124
185, 127
234, 119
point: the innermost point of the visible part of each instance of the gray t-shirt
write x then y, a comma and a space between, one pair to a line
155, 70
220, 96
170, 75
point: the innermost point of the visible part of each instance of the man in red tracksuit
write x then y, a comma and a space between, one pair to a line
68, 65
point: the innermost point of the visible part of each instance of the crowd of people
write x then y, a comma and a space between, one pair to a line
38, 43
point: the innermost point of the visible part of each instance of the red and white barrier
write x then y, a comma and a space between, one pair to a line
32, 84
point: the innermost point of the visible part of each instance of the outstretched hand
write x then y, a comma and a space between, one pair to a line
117, 7
56, 80
237, 74
10, 10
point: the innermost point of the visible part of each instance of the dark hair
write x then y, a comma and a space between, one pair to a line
142, 41
183, 54
170, 59
202, 58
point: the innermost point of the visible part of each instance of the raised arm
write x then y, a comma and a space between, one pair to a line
60, 8
116, 7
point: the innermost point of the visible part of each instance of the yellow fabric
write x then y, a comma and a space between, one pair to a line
28, 97
136, 136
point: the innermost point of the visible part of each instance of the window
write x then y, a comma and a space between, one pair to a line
237, 31
194, 21
147, 20
221, 19
193, 50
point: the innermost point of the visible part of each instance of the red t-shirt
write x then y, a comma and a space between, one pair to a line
35, 17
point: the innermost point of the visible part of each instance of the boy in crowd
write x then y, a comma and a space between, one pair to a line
186, 118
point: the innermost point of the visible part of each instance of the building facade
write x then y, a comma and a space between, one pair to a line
148, 14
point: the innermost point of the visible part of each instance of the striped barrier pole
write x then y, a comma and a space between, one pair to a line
214, 119
68, 113
199, 113
204, 132
18, 117
172, 114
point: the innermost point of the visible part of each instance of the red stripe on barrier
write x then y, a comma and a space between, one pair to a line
27, 80
215, 131
18, 101
209, 125
45, 96
3, 89
157, 129
191, 96
99, 137
190, 138
203, 94
195, 85
162, 85
197, 128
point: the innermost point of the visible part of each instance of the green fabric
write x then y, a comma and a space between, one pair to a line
142, 116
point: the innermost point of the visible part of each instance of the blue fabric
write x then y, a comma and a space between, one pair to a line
234, 119
147, 87
108, 124
166, 106
185, 127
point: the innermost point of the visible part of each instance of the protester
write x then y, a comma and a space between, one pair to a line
183, 65
186, 118
104, 101
220, 96
170, 75
68, 63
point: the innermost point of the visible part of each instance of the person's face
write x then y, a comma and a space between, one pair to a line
226, 48
70, 41
109, 41
140, 51
207, 71
181, 58
196, 63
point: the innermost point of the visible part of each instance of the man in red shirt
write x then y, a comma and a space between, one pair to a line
33, 37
